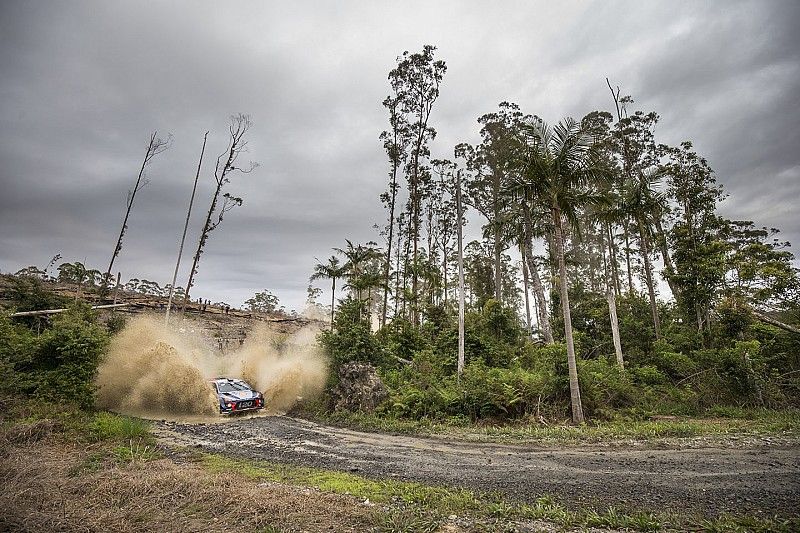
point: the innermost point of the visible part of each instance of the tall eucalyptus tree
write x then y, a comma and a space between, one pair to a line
490, 163
395, 142
418, 77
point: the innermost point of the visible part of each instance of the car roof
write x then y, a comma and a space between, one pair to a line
228, 380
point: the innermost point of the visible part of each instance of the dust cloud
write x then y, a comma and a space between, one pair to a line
158, 372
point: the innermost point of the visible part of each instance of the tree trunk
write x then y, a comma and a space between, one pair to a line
461, 356
185, 228
498, 244
526, 288
389, 249
397, 266
648, 271
333, 300
613, 260
777, 323
669, 267
628, 258
237, 130
498, 264
151, 147
201, 243
574, 386
538, 288
612, 308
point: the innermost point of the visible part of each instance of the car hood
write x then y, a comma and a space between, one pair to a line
239, 395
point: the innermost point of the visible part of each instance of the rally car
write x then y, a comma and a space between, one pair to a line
236, 396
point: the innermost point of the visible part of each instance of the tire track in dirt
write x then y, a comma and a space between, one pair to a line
756, 477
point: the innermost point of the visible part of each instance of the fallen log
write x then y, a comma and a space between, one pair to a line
773, 322
54, 311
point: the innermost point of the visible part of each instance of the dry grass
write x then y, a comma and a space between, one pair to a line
53, 486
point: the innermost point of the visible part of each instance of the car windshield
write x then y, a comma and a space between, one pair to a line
231, 386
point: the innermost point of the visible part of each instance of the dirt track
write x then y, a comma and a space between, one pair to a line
754, 477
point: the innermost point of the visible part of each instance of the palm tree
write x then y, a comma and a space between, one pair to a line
556, 172
331, 270
358, 257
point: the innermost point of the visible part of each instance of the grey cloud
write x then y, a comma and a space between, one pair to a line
82, 85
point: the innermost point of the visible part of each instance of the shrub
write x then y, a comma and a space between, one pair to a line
648, 375
17, 348
351, 338
604, 386
68, 355
676, 365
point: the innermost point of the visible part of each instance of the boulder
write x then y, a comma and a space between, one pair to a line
359, 389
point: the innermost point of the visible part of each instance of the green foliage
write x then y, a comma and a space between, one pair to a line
262, 302
68, 356
116, 323
351, 338
605, 386
401, 338
18, 346
58, 365
27, 293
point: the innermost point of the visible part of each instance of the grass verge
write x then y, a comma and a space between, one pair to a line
409, 506
743, 423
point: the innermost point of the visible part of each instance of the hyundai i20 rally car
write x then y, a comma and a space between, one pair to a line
236, 396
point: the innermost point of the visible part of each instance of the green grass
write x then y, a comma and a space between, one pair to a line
425, 506
110, 426
384, 491
718, 423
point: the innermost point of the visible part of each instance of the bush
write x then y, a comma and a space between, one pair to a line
17, 348
68, 356
676, 365
351, 338
604, 386
60, 364
483, 392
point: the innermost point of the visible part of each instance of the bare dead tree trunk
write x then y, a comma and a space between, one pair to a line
240, 124
116, 289
185, 228
774, 322
155, 146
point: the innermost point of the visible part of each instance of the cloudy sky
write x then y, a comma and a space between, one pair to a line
82, 85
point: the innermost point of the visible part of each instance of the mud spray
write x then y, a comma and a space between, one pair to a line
155, 372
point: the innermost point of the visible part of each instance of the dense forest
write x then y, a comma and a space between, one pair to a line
606, 281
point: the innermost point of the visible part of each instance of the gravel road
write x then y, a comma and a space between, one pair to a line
758, 476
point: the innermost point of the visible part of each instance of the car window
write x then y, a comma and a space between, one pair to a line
230, 386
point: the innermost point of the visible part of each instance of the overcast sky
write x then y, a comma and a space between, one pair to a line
82, 85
